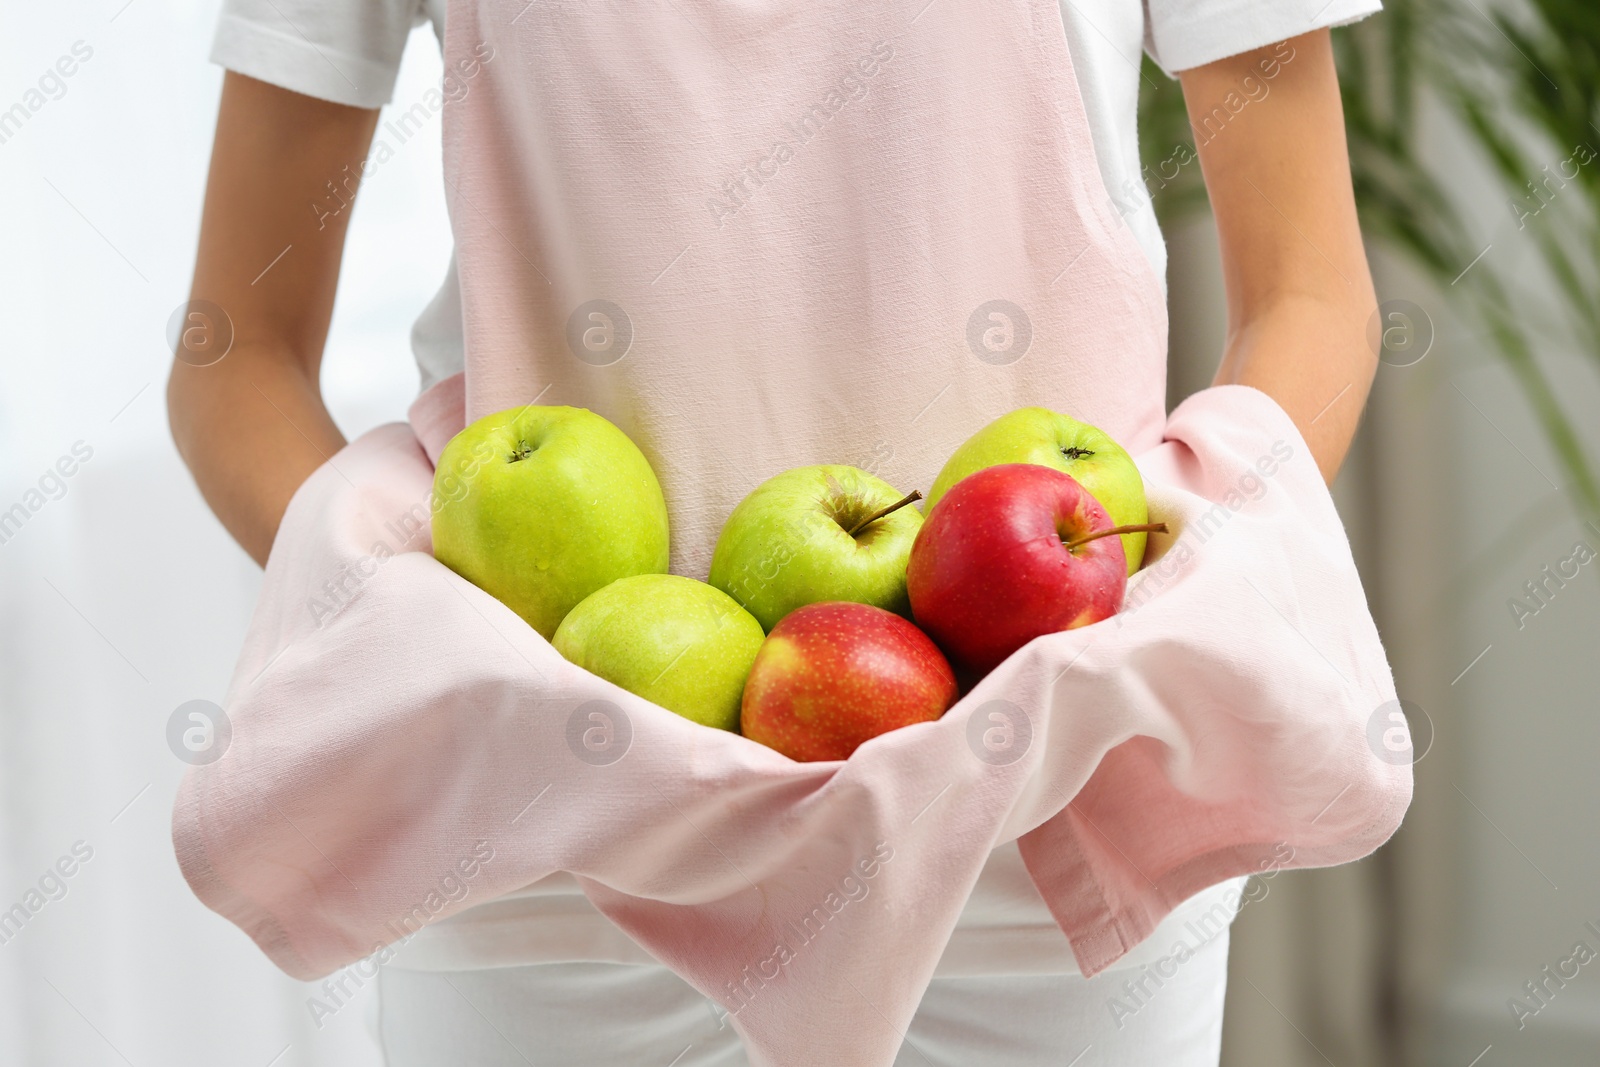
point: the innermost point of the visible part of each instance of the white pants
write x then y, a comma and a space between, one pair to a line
606, 1014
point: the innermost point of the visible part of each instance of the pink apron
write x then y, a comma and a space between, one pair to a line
815, 231
757, 235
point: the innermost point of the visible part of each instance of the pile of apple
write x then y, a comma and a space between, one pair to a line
803, 638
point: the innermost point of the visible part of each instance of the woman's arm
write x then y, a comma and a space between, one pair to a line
253, 426
1299, 292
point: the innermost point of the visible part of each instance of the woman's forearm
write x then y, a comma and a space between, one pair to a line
1311, 354
251, 429
1300, 294
251, 424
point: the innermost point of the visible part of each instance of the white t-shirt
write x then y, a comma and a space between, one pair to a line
348, 51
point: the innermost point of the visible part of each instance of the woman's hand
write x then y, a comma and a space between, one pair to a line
1299, 291
252, 427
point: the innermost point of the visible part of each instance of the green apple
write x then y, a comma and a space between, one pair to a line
541, 506
814, 534
1050, 439
674, 641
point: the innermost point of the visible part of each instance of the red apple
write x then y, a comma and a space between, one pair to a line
1010, 553
832, 675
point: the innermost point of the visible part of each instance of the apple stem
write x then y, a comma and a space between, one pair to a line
1144, 527
909, 498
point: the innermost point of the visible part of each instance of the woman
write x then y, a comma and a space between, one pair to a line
814, 223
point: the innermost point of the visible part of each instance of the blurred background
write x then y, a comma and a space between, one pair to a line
1466, 942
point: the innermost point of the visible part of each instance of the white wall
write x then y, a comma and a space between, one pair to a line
124, 598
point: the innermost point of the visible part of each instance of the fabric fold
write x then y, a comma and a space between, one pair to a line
404, 747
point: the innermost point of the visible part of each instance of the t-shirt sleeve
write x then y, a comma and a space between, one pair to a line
346, 51
1180, 34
